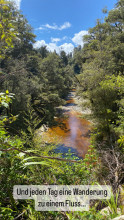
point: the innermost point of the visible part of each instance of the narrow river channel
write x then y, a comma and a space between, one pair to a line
71, 131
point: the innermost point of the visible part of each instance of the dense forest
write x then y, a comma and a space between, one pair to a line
33, 83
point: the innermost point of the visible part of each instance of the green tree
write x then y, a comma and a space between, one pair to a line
7, 27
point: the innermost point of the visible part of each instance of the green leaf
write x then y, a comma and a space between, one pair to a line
29, 158
21, 154
7, 92
36, 163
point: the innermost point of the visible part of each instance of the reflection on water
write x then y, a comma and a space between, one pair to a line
64, 151
71, 131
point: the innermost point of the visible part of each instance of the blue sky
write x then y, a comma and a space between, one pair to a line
61, 24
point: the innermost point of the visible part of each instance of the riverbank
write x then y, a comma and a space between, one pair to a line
79, 104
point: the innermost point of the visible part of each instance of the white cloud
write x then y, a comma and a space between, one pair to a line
53, 47
39, 43
40, 28
65, 38
65, 26
67, 47
55, 27
58, 39
18, 3
55, 39
78, 38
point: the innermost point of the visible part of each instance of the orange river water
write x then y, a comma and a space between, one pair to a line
71, 131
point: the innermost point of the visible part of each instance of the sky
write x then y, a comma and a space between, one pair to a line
61, 24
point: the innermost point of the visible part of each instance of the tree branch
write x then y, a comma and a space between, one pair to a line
19, 215
43, 157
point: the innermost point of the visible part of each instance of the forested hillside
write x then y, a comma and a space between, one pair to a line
101, 64
33, 83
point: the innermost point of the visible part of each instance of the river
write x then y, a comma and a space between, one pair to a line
71, 130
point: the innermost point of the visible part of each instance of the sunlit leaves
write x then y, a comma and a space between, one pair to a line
7, 28
36, 163
6, 98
